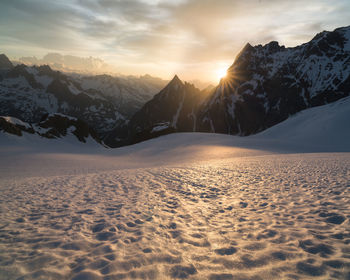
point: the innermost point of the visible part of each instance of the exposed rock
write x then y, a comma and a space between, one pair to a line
51, 126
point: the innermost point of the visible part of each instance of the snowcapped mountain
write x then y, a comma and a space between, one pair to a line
264, 86
128, 93
172, 109
51, 126
267, 84
29, 92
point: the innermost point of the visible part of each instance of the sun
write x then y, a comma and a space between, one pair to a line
221, 73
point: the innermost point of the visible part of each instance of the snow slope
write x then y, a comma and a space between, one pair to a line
318, 129
182, 206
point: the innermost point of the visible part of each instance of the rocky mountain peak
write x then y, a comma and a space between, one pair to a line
265, 85
269, 83
45, 70
273, 47
5, 63
326, 40
175, 82
248, 48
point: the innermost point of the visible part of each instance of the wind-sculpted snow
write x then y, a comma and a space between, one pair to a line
256, 217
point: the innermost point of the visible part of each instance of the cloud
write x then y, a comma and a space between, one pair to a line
160, 36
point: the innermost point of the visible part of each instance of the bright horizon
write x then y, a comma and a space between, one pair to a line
196, 39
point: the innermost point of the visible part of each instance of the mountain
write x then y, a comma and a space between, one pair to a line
51, 126
264, 86
321, 128
5, 63
128, 93
267, 84
172, 109
30, 92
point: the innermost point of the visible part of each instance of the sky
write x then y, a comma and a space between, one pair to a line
196, 39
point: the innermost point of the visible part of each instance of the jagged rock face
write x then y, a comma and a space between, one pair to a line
59, 125
173, 105
51, 126
14, 126
267, 84
172, 109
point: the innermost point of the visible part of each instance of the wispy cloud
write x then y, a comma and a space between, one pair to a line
191, 37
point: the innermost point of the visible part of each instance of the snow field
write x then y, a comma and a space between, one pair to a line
255, 217
182, 206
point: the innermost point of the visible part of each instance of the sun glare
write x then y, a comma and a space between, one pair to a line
221, 73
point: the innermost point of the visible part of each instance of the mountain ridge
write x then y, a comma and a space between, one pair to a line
303, 74
179, 101
263, 87
102, 101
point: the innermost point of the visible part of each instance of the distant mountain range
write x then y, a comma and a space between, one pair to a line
89, 66
103, 101
264, 86
69, 63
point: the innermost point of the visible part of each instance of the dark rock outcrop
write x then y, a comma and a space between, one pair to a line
51, 126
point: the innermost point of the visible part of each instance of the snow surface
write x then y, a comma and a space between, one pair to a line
318, 129
187, 205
